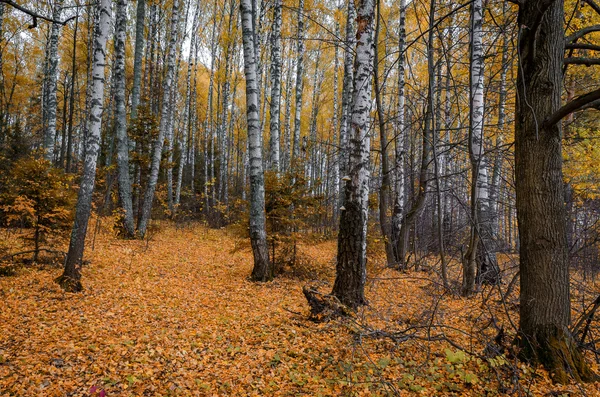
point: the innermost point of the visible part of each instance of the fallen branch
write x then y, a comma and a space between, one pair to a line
11, 256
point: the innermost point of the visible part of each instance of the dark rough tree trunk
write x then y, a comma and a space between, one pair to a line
545, 306
70, 280
351, 269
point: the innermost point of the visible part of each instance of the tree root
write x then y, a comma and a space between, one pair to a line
324, 307
69, 284
556, 349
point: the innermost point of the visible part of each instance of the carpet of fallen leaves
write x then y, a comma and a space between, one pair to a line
177, 316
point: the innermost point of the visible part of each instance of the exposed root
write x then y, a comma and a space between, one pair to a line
69, 284
556, 349
324, 307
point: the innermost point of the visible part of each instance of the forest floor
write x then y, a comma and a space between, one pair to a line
177, 316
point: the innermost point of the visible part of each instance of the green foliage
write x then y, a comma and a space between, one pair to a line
37, 195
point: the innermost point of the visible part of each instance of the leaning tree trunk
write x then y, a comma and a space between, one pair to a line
545, 306
121, 119
351, 269
263, 270
70, 280
164, 123
275, 128
51, 83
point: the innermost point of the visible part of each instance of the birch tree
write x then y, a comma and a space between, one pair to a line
70, 280
275, 129
399, 198
299, 82
347, 87
351, 271
263, 270
164, 122
121, 119
50, 106
479, 255
137, 57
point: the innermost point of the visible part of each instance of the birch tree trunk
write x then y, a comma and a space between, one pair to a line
349, 44
275, 129
410, 215
479, 255
287, 139
497, 170
163, 125
137, 57
351, 270
299, 83
50, 107
263, 270
384, 191
70, 280
188, 111
121, 119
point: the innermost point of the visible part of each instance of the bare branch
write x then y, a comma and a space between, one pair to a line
593, 4
35, 15
579, 34
582, 61
582, 46
579, 103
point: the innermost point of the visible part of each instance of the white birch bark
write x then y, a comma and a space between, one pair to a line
262, 270
187, 112
71, 277
400, 135
347, 88
137, 57
51, 83
287, 139
351, 270
163, 125
121, 119
299, 82
275, 110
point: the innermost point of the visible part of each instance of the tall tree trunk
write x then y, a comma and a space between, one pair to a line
188, 111
70, 280
498, 160
51, 83
263, 270
385, 189
424, 172
347, 88
137, 57
351, 268
164, 121
480, 259
299, 83
275, 130
399, 196
545, 306
121, 119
